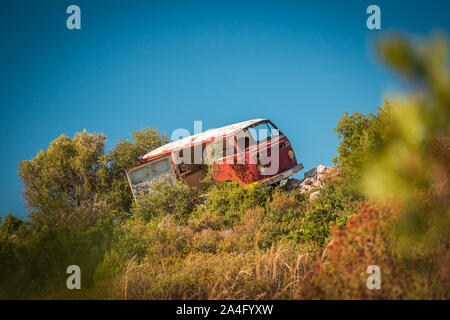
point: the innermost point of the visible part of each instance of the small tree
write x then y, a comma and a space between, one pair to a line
74, 178
363, 136
63, 177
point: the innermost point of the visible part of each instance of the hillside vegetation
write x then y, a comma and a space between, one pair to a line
389, 206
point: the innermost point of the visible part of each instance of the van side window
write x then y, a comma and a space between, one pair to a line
244, 139
219, 149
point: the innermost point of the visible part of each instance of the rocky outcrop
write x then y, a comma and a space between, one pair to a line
312, 180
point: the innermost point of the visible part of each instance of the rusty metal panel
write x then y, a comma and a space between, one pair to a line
141, 177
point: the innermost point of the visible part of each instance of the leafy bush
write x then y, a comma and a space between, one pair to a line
370, 238
166, 198
229, 200
336, 204
111, 265
363, 136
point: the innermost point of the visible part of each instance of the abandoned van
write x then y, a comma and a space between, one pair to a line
253, 151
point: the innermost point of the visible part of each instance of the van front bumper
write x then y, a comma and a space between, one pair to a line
281, 176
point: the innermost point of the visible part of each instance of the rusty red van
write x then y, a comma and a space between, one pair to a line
253, 151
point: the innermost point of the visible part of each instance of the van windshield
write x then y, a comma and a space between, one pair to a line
256, 134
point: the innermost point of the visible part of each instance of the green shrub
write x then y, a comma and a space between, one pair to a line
177, 199
229, 200
112, 264
370, 238
363, 136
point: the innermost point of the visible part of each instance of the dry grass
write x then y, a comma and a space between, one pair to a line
273, 273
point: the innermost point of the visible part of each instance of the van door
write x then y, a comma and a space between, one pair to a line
140, 177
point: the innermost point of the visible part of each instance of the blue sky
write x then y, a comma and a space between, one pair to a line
165, 64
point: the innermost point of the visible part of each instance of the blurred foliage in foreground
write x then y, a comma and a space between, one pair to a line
388, 207
400, 157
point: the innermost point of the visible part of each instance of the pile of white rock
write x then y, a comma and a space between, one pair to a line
313, 179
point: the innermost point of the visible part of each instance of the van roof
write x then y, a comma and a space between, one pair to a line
202, 137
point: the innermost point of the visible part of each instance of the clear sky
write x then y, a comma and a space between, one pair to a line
165, 64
